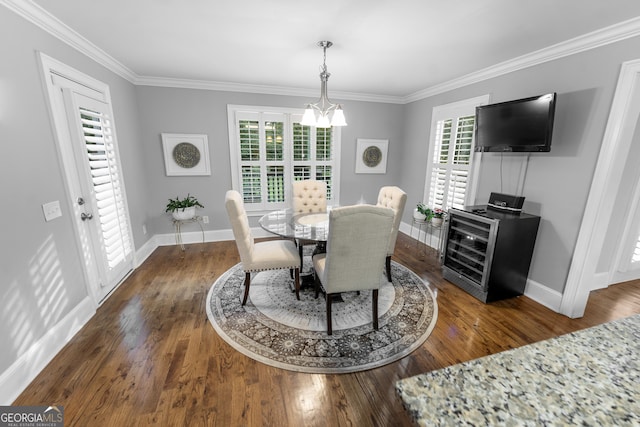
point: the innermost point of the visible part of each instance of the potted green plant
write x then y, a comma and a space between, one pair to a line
183, 209
438, 217
422, 213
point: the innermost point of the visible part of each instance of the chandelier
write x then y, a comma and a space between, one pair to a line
318, 114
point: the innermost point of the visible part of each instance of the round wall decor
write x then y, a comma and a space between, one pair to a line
372, 156
186, 155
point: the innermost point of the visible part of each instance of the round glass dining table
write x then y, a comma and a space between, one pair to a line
306, 226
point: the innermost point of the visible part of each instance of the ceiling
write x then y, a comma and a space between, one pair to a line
381, 47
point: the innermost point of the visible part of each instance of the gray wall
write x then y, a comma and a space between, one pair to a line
41, 275
557, 183
168, 110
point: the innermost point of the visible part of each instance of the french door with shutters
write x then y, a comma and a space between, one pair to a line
101, 205
80, 108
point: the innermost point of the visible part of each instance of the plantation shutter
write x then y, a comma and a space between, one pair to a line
262, 153
324, 158
249, 131
105, 177
272, 149
274, 155
302, 152
105, 185
449, 169
451, 162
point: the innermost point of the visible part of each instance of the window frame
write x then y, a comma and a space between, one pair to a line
454, 111
289, 116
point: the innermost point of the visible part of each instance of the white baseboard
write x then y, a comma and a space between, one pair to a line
600, 281
20, 374
623, 276
145, 251
405, 228
543, 295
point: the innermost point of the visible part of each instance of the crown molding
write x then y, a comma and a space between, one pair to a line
261, 89
595, 39
47, 22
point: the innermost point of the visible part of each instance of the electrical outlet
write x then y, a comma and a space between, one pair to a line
205, 219
144, 229
51, 210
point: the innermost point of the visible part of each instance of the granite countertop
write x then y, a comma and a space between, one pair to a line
588, 377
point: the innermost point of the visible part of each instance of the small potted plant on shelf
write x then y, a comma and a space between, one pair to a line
183, 209
422, 213
438, 217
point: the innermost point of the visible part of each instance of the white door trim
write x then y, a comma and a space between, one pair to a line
606, 179
56, 75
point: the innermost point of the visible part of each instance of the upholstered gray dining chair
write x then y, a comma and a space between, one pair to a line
309, 196
394, 198
261, 256
356, 249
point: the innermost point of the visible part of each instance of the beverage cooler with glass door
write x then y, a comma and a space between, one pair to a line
488, 252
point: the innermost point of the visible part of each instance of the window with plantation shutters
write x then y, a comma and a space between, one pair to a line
450, 163
270, 149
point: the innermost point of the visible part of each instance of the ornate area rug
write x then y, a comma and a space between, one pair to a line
276, 329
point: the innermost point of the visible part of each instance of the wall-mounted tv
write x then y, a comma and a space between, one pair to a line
523, 125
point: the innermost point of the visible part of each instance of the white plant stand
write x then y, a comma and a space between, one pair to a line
177, 226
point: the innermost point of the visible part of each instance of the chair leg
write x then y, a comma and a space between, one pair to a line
247, 282
375, 309
316, 284
328, 297
300, 252
297, 273
388, 265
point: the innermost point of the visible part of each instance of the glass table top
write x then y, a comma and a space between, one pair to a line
310, 226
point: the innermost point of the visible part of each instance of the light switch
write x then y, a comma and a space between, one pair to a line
51, 210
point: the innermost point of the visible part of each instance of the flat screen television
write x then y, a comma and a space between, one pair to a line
523, 125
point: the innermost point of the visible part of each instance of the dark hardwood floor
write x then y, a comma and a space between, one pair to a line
149, 356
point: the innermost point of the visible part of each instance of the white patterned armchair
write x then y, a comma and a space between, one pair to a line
356, 249
269, 255
309, 196
394, 198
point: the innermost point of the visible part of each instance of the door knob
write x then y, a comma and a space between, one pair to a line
84, 216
